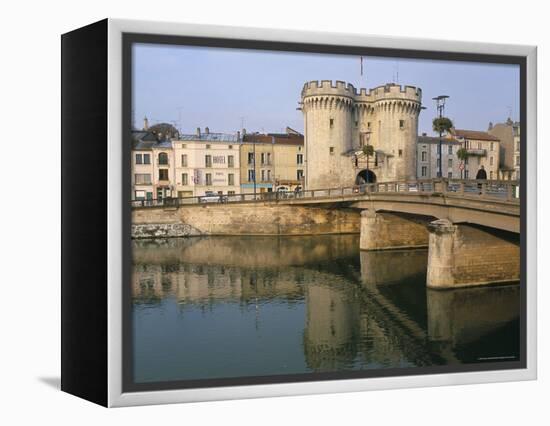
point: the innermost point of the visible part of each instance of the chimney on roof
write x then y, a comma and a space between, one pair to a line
145, 123
198, 131
206, 130
490, 125
238, 135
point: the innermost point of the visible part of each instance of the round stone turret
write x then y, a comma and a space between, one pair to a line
339, 120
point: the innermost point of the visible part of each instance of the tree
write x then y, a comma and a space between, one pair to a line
462, 155
442, 124
368, 151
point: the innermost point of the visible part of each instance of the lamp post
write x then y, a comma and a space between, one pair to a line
440, 105
254, 166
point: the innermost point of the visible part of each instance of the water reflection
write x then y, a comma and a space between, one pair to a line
235, 306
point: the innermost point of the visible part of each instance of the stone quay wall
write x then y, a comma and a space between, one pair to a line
242, 219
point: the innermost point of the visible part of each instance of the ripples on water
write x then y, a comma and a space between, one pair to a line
221, 307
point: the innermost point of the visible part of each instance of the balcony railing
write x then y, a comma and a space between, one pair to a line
479, 151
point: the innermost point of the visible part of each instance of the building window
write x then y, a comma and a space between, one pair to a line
183, 145
146, 158
251, 176
517, 160
139, 195
401, 124
208, 161
184, 179
163, 174
208, 178
368, 125
183, 160
492, 146
331, 122
424, 171
400, 152
450, 175
466, 174
207, 146
230, 161
230, 192
230, 147
142, 179
466, 160
423, 155
438, 163
269, 158
491, 160
299, 158
163, 158
517, 146
479, 145
231, 179
139, 160
491, 175
262, 158
269, 175
450, 163
299, 174
263, 175
250, 158
450, 152
331, 150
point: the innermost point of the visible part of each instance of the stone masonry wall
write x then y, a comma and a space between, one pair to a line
384, 231
242, 219
464, 255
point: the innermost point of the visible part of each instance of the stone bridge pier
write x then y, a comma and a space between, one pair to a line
459, 254
463, 255
389, 231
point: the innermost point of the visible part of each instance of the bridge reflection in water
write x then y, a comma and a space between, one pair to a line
218, 307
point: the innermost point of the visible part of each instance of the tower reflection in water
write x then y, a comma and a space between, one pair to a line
254, 306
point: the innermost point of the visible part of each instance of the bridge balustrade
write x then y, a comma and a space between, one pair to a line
504, 190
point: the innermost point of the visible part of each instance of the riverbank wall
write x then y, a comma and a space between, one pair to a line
242, 219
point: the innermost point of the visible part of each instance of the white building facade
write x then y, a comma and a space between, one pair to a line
206, 162
427, 159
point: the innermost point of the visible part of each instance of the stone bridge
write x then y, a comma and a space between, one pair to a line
470, 227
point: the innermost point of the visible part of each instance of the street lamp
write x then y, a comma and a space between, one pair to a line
440, 104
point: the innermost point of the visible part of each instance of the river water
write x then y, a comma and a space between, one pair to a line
222, 307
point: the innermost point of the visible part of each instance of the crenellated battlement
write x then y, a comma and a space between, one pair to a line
342, 89
328, 88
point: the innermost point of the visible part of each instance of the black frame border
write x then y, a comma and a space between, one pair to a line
128, 39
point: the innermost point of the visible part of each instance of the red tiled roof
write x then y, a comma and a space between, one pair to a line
475, 135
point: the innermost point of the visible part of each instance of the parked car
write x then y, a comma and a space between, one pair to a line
212, 197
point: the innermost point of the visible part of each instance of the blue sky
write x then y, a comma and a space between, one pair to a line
221, 88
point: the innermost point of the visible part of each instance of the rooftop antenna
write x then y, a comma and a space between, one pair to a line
509, 111
397, 71
180, 124
362, 71
242, 122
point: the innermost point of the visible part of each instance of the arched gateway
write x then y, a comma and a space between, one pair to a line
365, 176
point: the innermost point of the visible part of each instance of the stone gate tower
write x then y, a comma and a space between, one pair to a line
339, 120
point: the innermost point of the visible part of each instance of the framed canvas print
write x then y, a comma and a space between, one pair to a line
253, 213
